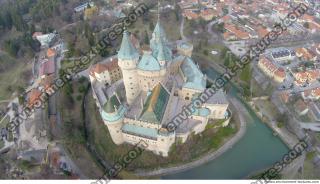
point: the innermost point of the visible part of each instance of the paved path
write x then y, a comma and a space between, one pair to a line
181, 30
210, 156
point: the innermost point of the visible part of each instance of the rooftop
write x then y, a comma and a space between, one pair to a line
155, 105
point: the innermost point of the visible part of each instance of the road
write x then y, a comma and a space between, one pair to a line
181, 30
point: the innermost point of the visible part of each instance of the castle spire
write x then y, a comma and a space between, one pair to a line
158, 10
127, 50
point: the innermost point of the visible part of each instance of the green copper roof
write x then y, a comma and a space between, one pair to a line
195, 78
140, 131
204, 112
158, 34
113, 110
127, 50
158, 31
155, 105
162, 52
148, 63
111, 104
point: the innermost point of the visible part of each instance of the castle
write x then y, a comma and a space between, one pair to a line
140, 90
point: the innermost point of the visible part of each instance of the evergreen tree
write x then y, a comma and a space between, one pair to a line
146, 38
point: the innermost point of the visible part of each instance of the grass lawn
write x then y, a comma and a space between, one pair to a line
246, 74
208, 48
1, 144
257, 90
12, 76
4, 122
73, 130
310, 171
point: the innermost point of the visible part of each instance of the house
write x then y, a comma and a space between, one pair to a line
311, 94
306, 54
238, 32
45, 40
306, 76
83, 6
314, 111
284, 96
35, 34
47, 67
106, 73
283, 54
207, 14
33, 97
262, 32
47, 81
301, 107
278, 74
51, 53
190, 14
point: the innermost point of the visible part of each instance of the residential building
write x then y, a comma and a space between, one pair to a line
301, 107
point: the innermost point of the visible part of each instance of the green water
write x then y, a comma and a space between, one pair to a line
256, 150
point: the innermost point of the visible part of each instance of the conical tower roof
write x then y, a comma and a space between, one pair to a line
111, 105
127, 50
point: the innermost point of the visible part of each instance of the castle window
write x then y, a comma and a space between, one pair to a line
187, 98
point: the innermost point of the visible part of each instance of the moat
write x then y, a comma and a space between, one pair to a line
256, 150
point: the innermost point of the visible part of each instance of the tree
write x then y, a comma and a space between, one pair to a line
151, 26
12, 47
146, 38
224, 52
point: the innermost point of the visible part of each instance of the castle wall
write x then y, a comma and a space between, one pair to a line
141, 123
187, 93
103, 77
115, 131
147, 80
217, 110
202, 126
130, 79
185, 51
161, 146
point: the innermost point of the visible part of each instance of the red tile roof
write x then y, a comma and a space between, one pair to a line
47, 66
35, 34
51, 52
101, 67
33, 95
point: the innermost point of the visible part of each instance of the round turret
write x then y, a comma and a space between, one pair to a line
112, 114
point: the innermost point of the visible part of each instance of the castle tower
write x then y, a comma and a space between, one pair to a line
113, 114
158, 33
128, 58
